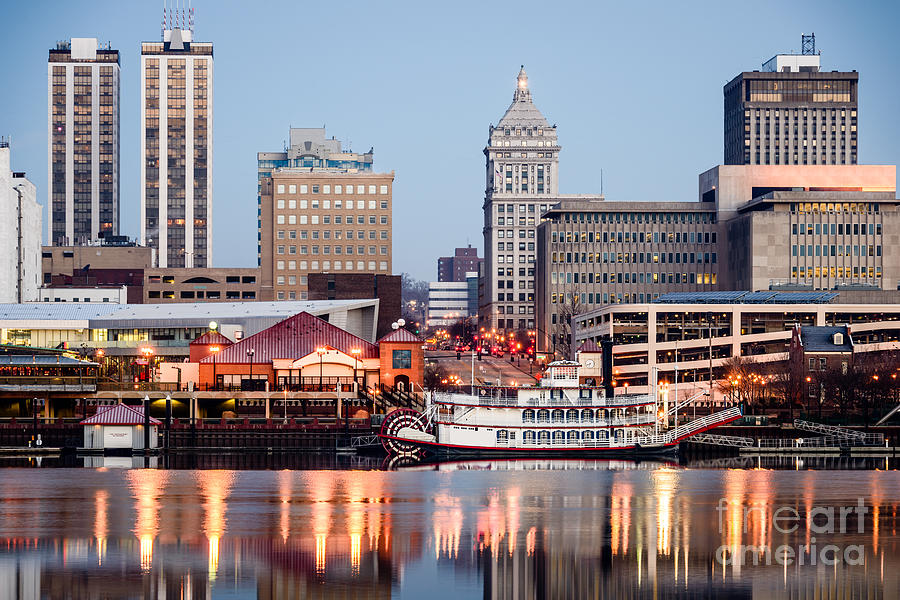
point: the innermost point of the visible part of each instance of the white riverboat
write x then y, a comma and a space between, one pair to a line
559, 417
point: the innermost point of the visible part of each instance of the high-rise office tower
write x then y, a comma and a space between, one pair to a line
321, 210
176, 145
308, 149
522, 163
792, 113
82, 142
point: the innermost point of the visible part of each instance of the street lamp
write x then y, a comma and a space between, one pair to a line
250, 353
147, 352
355, 352
321, 352
214, 350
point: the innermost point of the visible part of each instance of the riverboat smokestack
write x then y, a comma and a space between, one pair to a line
607, 358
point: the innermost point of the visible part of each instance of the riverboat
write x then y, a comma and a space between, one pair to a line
559, 417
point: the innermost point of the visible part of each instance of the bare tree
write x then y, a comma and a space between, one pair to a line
568, 309
788, 383
746, 381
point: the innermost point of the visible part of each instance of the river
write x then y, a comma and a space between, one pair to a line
480, 529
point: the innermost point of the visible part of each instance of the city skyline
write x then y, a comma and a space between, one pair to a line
389, 101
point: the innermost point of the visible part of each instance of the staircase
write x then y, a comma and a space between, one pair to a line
385, 397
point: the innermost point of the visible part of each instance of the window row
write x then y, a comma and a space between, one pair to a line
327, 189
383, 250
836, 228
634, 257
326, 204
625, 237
327, 265
327, 234
838, 272
327, 220
558, 437
833, 250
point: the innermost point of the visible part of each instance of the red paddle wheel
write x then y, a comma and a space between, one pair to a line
395, 421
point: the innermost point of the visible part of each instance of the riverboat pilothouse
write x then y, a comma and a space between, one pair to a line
559, 417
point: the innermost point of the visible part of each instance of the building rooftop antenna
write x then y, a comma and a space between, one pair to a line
807, 44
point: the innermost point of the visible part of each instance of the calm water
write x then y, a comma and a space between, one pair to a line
504, 529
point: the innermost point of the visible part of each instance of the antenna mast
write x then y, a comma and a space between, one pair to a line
807, 44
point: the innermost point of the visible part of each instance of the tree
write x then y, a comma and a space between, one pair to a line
434, 374
569, 307
746, 381
789, 384
413, 289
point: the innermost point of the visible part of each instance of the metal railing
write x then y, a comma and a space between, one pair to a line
830, 430
827, 441
514, 402
723, 440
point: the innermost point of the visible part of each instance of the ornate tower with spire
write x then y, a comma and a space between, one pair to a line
521, 173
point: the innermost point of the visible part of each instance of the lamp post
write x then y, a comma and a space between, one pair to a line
321, 352
355, 352
147, 352
214, 350
250, 353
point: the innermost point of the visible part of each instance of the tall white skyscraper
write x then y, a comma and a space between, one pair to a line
522, 165
176, 149
82, 142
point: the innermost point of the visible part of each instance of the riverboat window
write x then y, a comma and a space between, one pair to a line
587, 416
601, 414
556, 394
558, 416
584, 394
588, 436
402, 359
529, 437
502, 436
602, 435
544, 437
573, 437
543, 416
528, 416
563, 372
572, 415
620, 434
559, 437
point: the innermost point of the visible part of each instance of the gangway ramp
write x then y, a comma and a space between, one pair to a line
731, 441
829, 430
684, 403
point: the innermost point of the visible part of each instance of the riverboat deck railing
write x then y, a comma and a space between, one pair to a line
515, 401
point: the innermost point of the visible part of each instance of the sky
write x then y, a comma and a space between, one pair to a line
634, 87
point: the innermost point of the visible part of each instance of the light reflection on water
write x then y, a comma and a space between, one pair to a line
497, 529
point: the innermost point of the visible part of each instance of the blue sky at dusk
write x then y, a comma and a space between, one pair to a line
635, 89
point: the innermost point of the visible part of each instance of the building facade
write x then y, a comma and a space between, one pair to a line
176, 147
325, 221
792, 113
521, 179
756, 227
449, 301
696, 334
355, 286
456, 267
125, 329
592, 253
308, 148
200, 285
82, 142
814, 227
20, 234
